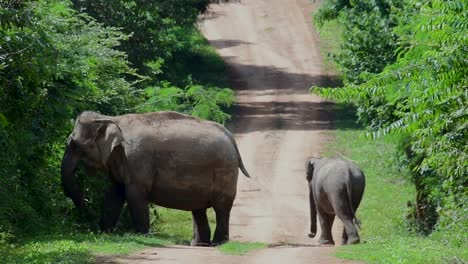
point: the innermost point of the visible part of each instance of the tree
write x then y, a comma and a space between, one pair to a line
423, 96
54, 63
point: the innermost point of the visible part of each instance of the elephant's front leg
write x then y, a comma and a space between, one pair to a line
112, 206
201, 229
138, 206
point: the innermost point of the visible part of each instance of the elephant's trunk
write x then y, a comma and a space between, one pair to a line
313, 213
70, 186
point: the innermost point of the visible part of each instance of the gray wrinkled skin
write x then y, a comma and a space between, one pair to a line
336, 188
167, 158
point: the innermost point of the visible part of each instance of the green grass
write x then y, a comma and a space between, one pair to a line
330, 40
171, 227
240, 248
385, 234
176, 225
74, 248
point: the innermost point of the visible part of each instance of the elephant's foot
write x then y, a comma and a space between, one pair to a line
220, 238
219, 241
353, 240
324, 241
195, 243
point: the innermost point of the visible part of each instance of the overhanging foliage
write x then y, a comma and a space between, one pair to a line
423, 95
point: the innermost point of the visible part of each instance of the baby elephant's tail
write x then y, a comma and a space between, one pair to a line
356, 221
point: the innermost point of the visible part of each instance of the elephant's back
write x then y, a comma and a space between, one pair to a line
191, 140
192, 160
168, 127
335, 174
197, 164
197, 135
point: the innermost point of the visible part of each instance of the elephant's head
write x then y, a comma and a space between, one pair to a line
97, 141
310, 165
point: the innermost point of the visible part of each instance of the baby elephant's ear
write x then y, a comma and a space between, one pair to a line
310, 166
309, 169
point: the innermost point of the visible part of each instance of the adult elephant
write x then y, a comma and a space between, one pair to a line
167, 158
336, 188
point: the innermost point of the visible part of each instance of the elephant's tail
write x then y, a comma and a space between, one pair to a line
356, 221
231, 138
241, 164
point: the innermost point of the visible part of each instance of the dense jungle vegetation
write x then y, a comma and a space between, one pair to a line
405, 67
60, 57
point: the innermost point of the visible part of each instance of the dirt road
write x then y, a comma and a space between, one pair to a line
272, 55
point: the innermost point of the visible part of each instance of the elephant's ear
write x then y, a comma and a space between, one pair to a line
110, 143
310, 166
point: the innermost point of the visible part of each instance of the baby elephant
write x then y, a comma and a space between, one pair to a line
335, 188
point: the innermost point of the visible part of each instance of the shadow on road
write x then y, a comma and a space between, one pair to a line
282, 116
263, 115
291, 245
227, 43
257, 78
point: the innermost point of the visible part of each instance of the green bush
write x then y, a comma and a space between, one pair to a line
60, 57
55, 63
181, 73
423, 96
369, 42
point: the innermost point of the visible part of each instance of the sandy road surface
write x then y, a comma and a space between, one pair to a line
271, 52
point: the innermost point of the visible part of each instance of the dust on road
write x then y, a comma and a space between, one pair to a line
272, 55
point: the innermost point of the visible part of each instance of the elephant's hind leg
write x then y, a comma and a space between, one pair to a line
201, 229
222, 225
326, 223
350, 229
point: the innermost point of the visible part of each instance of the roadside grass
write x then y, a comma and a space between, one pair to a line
330, 40
240, 248
176, 225
170, 227
386, 236
74, 247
